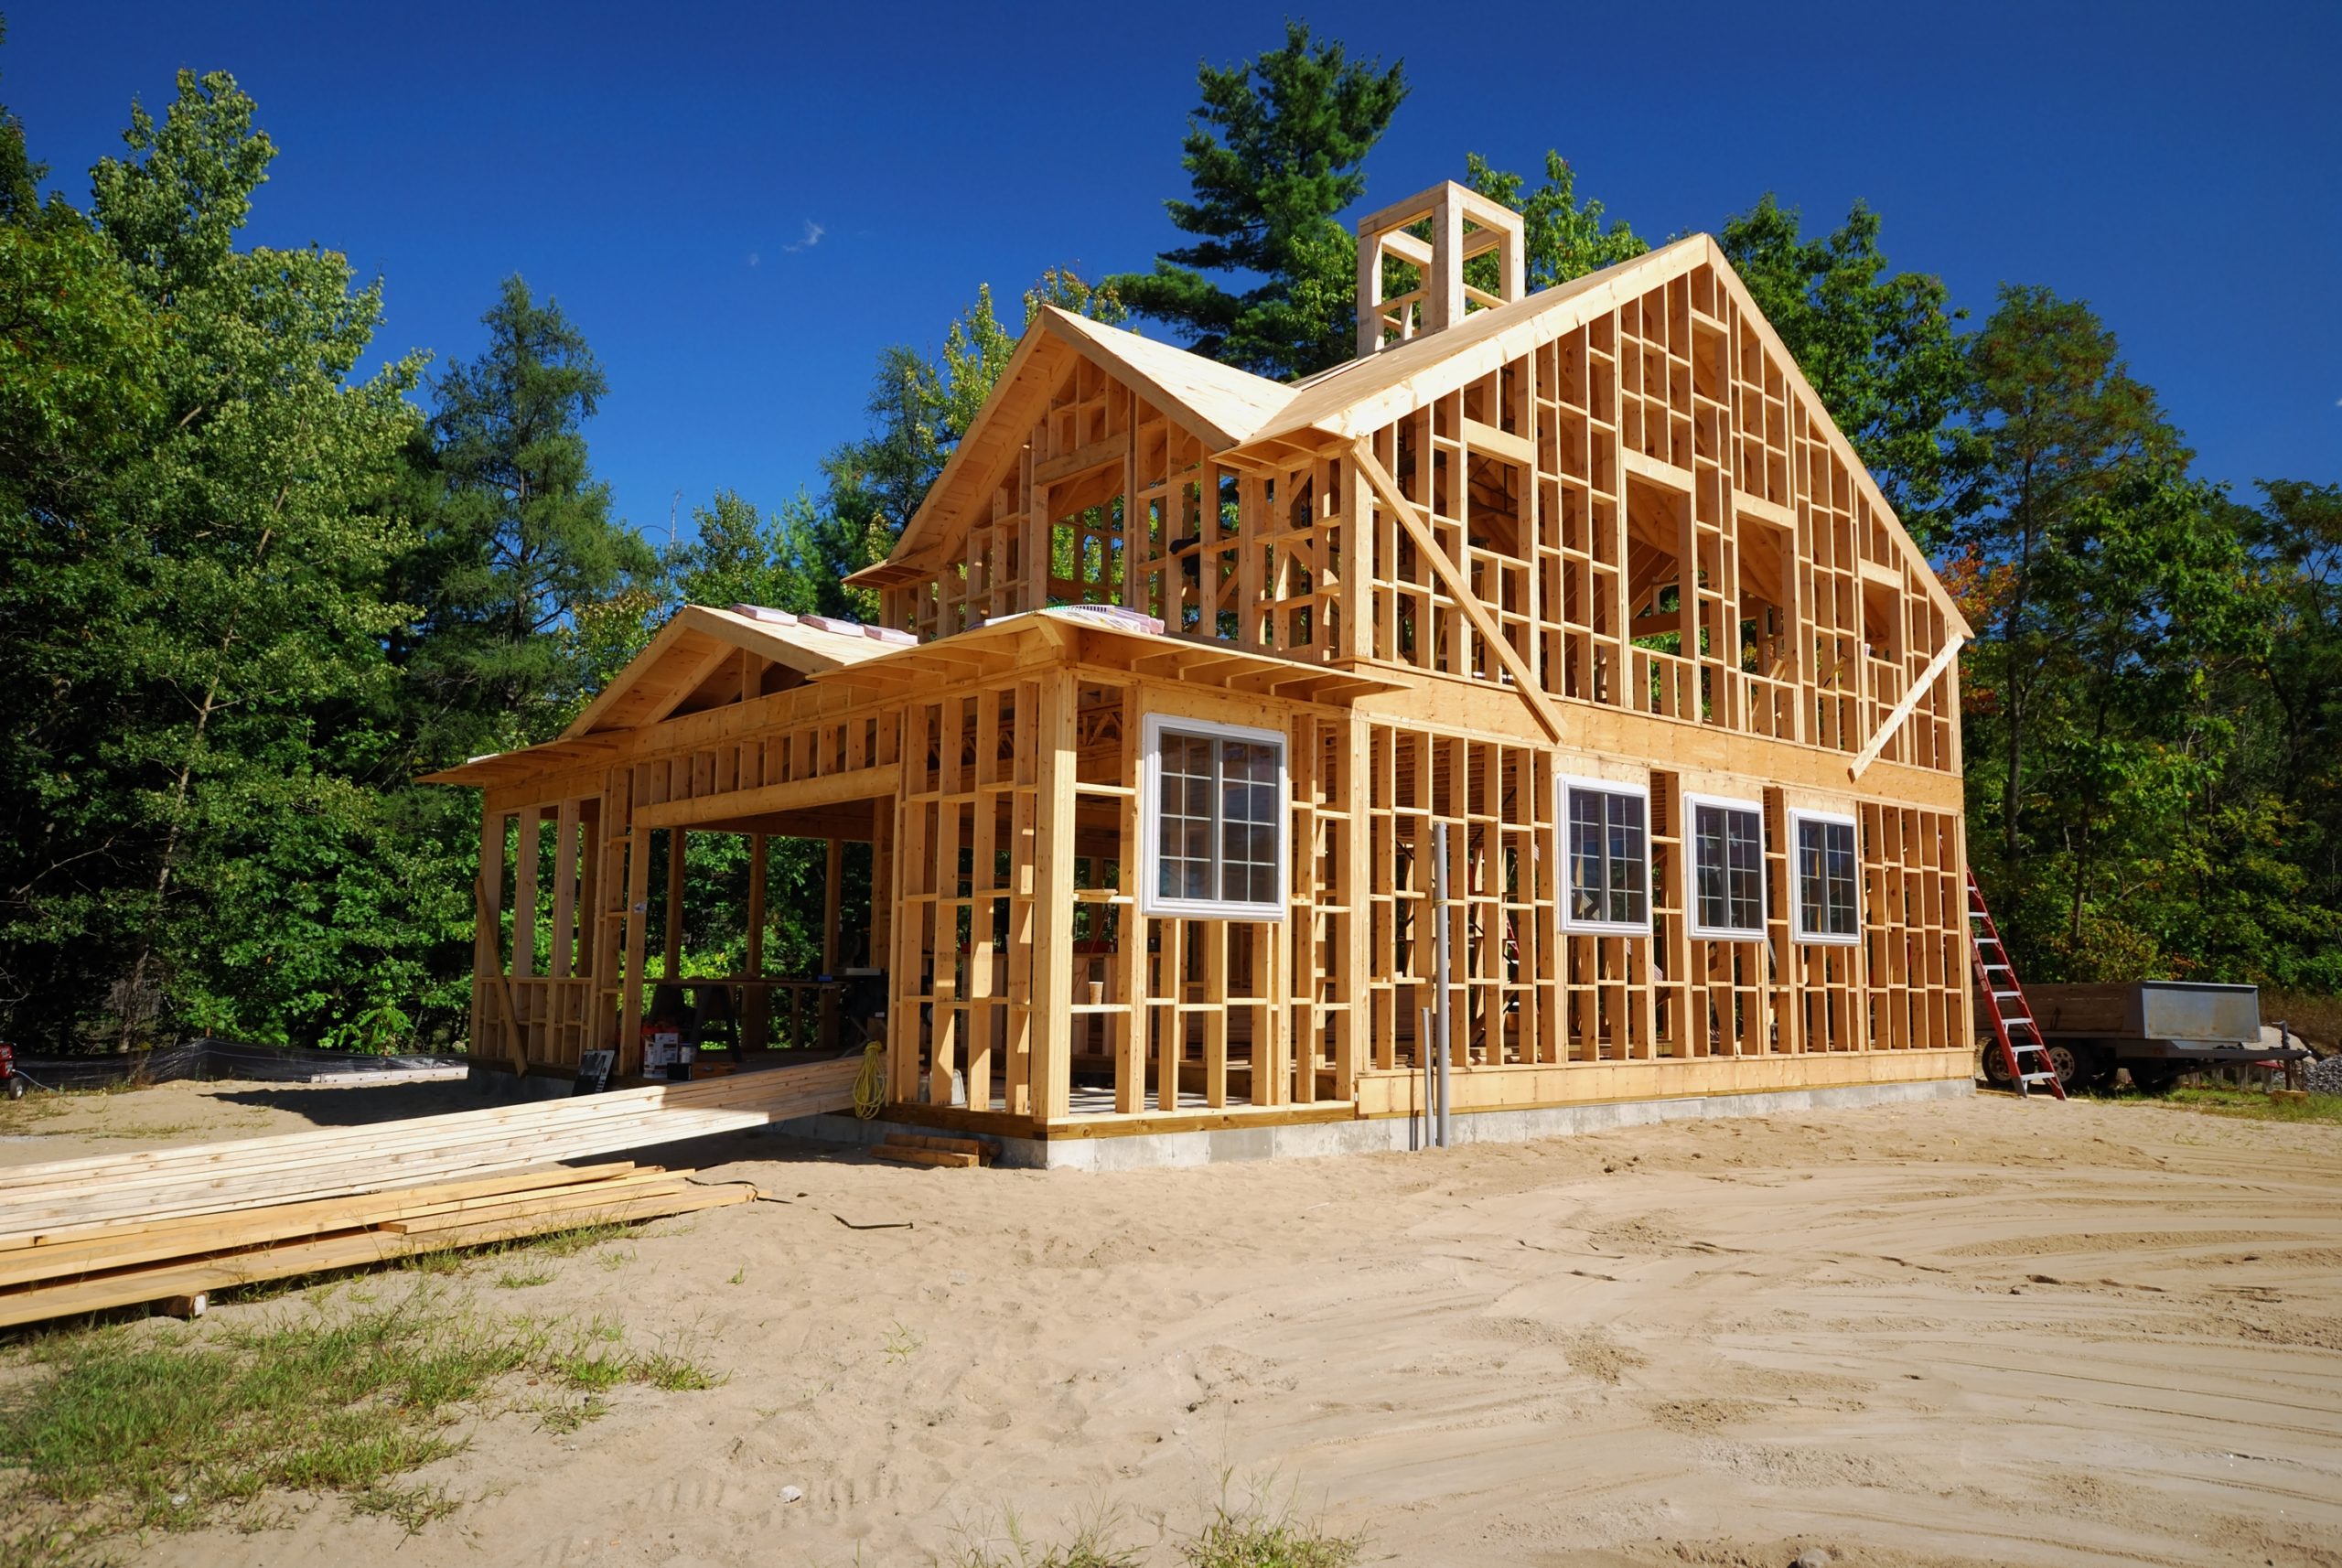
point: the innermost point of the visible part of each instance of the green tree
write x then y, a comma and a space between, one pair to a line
1882, 349
1561, 238
199, 699
919, 409
1273, 152
521, 538
2296, 540
2063, 428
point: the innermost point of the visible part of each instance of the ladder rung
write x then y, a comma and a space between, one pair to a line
1998, 994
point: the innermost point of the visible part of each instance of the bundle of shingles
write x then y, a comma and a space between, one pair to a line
173, 1225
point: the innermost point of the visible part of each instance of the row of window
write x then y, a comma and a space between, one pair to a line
1609, 866
1214, 844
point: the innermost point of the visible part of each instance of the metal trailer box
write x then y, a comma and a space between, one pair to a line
2155, 1028
2171, 1012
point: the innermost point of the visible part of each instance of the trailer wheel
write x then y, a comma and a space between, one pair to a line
2153, 1077
16, 1086
1988, 1060
2072, 1068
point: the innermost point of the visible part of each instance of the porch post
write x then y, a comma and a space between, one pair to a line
488, 941
757, 1020
1052, 997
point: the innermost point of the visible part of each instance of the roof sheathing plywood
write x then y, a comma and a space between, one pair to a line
693, 642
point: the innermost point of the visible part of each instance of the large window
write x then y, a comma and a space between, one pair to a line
1604, 825
1829, 879
1727, 868
1214, 829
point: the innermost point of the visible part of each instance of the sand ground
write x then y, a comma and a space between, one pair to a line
1969, 1332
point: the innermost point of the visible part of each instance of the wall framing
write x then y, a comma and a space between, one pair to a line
1604, 533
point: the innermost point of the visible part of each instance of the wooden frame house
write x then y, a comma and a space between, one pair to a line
1181, 673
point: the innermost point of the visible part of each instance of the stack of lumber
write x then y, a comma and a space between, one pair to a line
173, 1224
911, 1149
215, 1178
55, 1272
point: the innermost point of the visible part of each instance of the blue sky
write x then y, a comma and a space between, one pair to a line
740, 205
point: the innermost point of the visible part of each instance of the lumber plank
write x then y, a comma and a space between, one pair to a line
159, 1185
141, 1286
128, 1243
957, 1145
515, 1181
941, 1158
602, 1195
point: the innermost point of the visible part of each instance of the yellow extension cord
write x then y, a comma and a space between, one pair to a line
870, 1083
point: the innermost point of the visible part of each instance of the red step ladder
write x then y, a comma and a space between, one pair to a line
2015, 1035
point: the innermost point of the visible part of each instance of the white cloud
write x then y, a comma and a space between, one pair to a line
814, 233
756, 258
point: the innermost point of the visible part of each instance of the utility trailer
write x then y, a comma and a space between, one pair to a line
2155, 1028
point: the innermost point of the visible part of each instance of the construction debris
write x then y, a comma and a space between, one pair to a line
2324, 1077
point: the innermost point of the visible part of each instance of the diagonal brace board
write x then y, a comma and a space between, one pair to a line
1894, 720
1524, 684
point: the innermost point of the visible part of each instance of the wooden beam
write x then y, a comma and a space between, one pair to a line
1053, 860
832, 904
566, 860
861, 783
674, 950
1894, 720
683, 688
488, 933
1489, 441
760, 852
638, 914
1096, 454
1525, 683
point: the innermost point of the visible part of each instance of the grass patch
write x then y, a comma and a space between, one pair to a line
1090, 1547
565, 1243
2254, 1106
1251, 1535
144, 1427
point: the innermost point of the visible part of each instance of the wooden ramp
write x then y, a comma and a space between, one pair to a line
173, 1224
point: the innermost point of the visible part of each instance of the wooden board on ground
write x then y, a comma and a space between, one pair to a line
137, 1264
160, 1185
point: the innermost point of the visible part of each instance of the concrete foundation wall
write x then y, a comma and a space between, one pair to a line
1151, 1149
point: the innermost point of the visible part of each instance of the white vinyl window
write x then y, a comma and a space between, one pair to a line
1606, 845
1213, 820
1727, 868
1829, 877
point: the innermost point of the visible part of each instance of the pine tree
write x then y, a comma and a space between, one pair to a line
521, 538
1274, 153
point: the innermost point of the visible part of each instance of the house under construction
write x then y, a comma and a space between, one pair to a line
1183, 677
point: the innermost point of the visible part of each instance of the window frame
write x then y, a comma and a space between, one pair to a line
1700, 928
1150, 821
1798, 818
1562, 785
